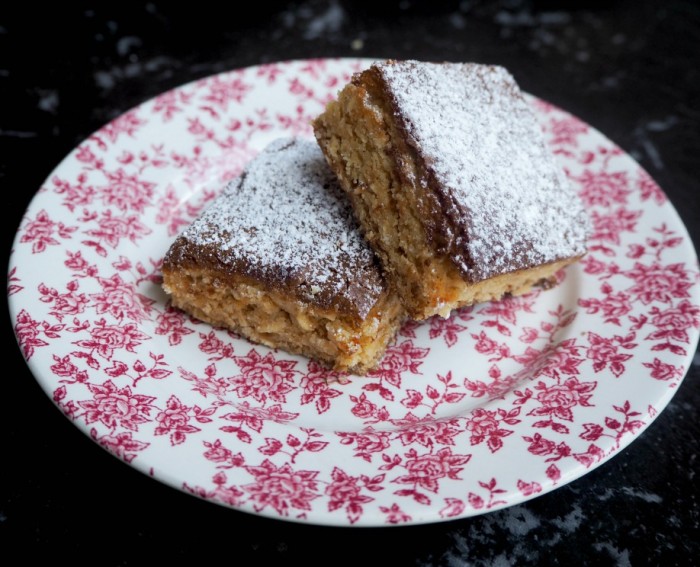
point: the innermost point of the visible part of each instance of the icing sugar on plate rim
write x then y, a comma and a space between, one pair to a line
558, 381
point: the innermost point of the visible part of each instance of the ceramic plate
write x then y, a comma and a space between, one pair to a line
496, 405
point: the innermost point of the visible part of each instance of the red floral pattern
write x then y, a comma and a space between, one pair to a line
42, 232
116, 407
486, 425
263, 377
345, 492
424, 472
281, 488
558, 380
173, 420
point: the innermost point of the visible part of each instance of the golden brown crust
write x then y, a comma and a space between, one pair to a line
272, 318
359, 294
430, 204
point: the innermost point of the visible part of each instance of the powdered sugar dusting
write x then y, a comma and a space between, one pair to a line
509, 204
286, 221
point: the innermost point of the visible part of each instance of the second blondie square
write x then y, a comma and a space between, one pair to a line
449, 175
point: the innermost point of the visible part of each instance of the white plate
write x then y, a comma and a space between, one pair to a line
490, 408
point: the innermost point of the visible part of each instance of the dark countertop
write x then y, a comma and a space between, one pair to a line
630, 69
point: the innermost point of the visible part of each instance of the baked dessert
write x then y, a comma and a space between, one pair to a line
453, 185
279, 258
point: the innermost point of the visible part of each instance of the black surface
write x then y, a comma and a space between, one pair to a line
630, 69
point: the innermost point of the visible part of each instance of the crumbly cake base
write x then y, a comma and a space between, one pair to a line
375, 167
273, 319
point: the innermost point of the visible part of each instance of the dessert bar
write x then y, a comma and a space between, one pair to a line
279, 258
451, 180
